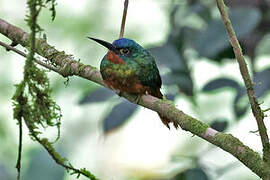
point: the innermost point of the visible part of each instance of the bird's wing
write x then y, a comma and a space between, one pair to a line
149, 74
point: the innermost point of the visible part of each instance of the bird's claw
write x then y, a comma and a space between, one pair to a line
137, 99
118, 92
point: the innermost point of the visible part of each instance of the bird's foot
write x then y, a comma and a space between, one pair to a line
137, 99
118, 92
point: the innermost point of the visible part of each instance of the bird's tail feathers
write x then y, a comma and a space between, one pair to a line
156, 92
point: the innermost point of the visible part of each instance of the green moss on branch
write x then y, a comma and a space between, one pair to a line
242, 152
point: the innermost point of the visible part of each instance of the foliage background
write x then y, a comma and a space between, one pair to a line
117, 140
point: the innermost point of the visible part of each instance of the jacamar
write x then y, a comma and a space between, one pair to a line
128, 67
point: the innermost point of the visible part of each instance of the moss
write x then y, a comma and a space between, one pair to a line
246, 155
40, 45
67, 70
32, 100
229, 143
82, 67
194, 126
48, 145
266, 153
87, 174
168, 102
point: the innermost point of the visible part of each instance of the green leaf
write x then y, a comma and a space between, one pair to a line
214, 38
240, 103
181, 79
119, 115
167, 55
263, 47
219, 124
98, 95
192, 174
43, 167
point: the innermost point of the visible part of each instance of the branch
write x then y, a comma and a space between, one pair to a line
256, 110
18, 164
122, 29
47, 66
69, 67
32, 95
21, 86
44, 142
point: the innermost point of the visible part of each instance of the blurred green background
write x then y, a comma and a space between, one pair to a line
118, 140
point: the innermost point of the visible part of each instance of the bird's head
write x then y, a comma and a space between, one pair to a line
123, 48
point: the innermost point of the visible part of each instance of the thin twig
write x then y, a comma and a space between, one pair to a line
124, 19
48, 66
18, 164
256, 110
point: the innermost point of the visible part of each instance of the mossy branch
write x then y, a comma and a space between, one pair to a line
18, 164
68, 66
256, 110
32, 100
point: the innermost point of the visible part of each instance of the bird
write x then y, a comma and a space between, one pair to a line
128, 67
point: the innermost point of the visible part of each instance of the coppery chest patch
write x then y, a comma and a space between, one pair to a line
114, 58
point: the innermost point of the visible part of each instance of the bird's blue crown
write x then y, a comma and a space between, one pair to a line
124, 42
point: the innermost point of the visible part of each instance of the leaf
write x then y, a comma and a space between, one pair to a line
219, 124
261, 87
214, 39
192, 174
262, 82
202, 10
42, 167
240, 105
118, 116
98, 95
241, 27
167, 55
170, 97
182, 80
4, 174
225, 53
221, 83
263, 48
187, 37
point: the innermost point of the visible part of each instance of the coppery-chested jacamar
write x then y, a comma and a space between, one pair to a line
128, 67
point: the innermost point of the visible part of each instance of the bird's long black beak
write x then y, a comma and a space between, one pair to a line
105, 44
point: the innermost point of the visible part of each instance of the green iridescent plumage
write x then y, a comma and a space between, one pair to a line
139, 63
128, 67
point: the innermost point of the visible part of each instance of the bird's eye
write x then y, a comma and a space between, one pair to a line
124, 51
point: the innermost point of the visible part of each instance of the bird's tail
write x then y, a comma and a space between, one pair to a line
156, 92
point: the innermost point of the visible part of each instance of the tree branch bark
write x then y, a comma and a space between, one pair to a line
122, 28
68, 66
256, 110
44, 64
